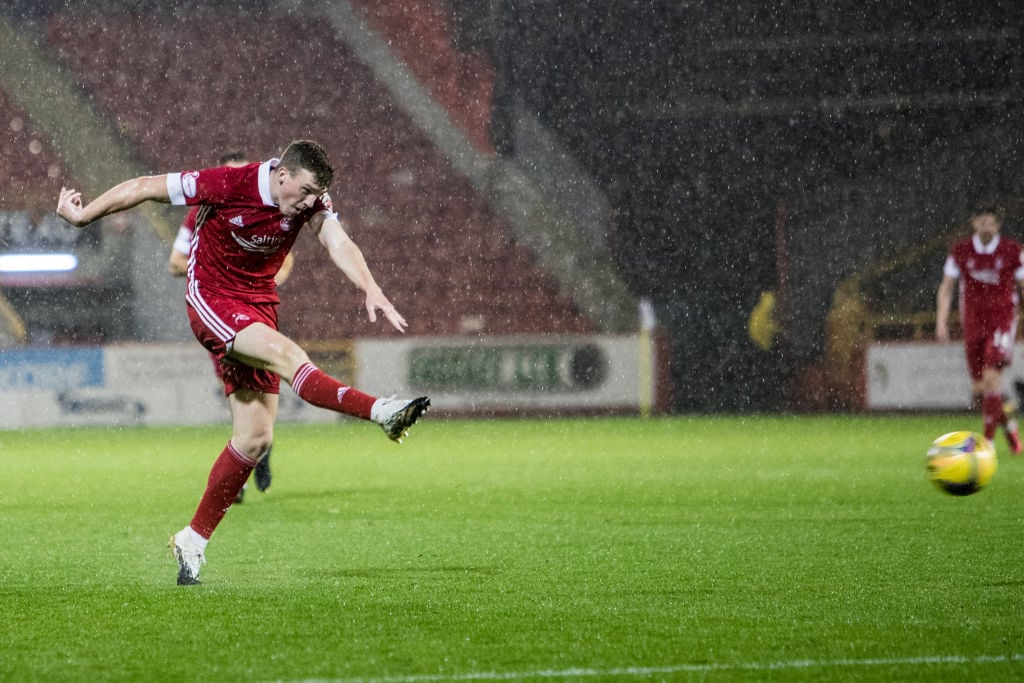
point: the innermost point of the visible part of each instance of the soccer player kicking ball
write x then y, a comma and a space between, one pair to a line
989, 266
249, 220
177, 265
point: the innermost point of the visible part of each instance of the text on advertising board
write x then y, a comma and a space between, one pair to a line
508, 368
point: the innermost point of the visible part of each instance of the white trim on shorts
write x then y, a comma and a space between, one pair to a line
213, 322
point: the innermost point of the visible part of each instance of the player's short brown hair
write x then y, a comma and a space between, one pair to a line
980, 208
310, 156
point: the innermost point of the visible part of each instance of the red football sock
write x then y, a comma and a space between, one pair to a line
315, 386
227, 477
992, 411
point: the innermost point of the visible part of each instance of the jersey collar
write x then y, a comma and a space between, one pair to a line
264, 178
989, 248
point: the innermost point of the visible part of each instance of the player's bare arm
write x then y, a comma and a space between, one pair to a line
943, 304
285, 271
177, 263
118, 198
349, 259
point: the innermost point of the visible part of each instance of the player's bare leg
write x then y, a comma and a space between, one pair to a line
262, 347
252, 416
993, 410
252, 419
253, 413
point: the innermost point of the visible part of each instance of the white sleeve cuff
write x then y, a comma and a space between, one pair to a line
951, 269
174, 191
183, 242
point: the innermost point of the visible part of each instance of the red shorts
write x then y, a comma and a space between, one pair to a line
215, 325
218, 369
993, 350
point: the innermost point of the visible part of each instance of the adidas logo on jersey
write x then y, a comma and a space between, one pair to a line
237, 220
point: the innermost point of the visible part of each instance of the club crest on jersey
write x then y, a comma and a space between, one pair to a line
188, 183
286, 224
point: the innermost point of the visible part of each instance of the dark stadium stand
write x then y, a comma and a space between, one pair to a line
53, 308
29, 167
436, 248
461, 80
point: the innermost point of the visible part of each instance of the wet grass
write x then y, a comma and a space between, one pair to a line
760, 548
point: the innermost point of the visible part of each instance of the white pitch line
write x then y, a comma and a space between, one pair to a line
639, 671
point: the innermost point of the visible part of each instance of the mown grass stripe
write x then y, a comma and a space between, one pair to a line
642, 671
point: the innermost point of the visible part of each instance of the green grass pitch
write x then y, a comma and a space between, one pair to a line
691, 548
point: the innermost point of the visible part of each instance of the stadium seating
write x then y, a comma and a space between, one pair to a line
29, 167
447, 262
462, 81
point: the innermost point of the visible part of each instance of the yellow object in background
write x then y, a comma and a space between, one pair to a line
762, 325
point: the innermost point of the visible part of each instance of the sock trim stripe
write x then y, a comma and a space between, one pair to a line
301, 375
240, 457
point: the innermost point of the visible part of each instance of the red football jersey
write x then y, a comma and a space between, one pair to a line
241, 238
988, 276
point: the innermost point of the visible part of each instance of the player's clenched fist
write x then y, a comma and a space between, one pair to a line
69, 206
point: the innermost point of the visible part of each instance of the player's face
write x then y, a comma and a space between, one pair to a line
295, 191
985, 225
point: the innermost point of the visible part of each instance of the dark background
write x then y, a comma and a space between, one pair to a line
870, 127
851, 131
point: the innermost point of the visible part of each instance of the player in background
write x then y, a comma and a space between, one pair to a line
990, 267
250, 219
177, 264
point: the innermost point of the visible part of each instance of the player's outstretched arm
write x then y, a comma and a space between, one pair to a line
286, 270
943, 304
349, 259
177, 263
118, 198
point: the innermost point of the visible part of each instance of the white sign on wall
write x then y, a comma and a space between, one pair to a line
925, 375
174, 384
498, 374
152, 384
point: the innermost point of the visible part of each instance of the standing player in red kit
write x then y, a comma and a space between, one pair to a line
177, 265
249, 221
990, 267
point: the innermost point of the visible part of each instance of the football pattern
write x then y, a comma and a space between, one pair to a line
961, 463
